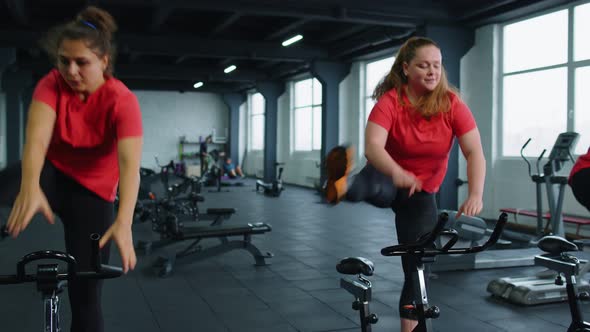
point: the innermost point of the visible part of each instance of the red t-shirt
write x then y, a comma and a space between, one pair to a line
84, 141
419, 145
582, 163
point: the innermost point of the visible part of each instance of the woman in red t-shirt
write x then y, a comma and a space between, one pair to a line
408, 138
83, 139
580, 179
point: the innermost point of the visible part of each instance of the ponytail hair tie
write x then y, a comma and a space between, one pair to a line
88, 24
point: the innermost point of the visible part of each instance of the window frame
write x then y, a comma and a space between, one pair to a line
251, 116
314, 104
364, 113
570, 66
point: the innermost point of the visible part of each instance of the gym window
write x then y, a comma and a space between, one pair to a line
307, 115
375, 71
256, 105
543, 73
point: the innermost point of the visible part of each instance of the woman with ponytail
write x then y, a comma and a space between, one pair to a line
83, 140
408, 138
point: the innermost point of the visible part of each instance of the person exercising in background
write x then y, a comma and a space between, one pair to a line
408, 139
579, 179
232, 170
83, 140
204, 154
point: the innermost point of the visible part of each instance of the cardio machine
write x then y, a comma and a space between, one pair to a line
273, 188
540, 288
51, 281
422, 251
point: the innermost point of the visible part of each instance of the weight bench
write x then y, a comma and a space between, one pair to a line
567, 218
164, 264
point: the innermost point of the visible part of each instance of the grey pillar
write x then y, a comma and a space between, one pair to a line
233, 102
7, 58
271, 90
330, 74
15, 84
454, 43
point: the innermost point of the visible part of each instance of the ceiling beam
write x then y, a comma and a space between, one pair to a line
286, 29
216, 48
481, 10
178, 46
183, 86
368, 39
343, 33
190, 73
18, 11
384, 12
514, 10
159, 17
181, 59
231, 19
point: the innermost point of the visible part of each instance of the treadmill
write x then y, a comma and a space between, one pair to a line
541, 288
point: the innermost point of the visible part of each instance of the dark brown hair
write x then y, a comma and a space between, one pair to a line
430, 104
93, 25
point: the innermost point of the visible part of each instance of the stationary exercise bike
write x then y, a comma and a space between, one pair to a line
567, 266
421, 251
275, 187
360, 288
50, 281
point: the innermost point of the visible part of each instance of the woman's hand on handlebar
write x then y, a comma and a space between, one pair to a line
471, 207
121, 233
27, 204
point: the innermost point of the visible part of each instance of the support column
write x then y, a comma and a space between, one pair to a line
330, 74
233, 102
271, 90
15, 84
7, 57
454, 42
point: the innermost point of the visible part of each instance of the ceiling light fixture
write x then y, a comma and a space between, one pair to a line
198, 85
229, 69
292, 40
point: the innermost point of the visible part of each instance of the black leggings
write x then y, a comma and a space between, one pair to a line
82, 213
414, 216
581, 186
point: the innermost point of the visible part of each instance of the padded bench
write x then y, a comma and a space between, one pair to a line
567, 218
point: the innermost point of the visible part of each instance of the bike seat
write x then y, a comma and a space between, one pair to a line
555, 245
221, 211
355, 265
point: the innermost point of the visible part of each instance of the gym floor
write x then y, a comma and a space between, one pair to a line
299, 291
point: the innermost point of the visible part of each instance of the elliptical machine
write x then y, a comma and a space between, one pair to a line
275, 187
541, 288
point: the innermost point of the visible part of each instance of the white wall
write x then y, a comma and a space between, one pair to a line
507, 180
168, 115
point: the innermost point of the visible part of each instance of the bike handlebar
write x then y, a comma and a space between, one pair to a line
420, 247
99, 271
